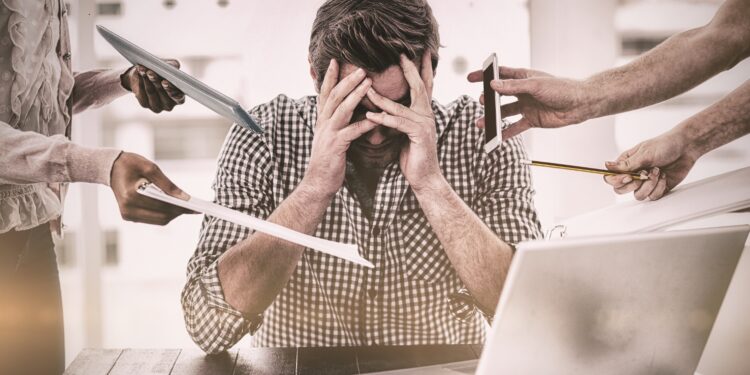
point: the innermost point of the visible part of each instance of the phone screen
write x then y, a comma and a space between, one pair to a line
490, 117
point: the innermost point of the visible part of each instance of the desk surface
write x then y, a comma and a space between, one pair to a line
256, 361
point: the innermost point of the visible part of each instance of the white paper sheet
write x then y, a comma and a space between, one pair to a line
723, 193
202, 93
348, 252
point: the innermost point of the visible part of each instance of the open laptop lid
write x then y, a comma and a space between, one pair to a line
640, 303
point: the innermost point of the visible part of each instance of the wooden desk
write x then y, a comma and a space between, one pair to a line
256, 361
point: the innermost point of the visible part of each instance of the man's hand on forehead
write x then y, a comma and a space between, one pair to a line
419, 161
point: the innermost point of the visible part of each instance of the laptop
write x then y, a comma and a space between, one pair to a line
625, 304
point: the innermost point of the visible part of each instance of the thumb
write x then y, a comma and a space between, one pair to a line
155, 175
514, 86
172, 62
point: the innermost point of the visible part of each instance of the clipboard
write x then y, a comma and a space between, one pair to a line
348, 252
202, 93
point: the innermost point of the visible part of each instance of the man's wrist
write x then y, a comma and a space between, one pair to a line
594, 103
692, 139
431, 188
314, 191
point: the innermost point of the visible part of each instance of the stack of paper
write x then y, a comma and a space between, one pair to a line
723, 193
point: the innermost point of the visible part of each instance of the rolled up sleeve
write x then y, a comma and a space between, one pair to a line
243, 183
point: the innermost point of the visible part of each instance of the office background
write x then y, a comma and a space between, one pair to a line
122, 281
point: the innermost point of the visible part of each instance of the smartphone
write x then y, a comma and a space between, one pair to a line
492, 119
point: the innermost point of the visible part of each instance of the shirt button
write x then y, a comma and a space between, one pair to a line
372, 293
376, 231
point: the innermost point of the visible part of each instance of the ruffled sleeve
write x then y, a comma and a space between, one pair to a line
26, 207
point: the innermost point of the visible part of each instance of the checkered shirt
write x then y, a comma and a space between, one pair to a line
413, 296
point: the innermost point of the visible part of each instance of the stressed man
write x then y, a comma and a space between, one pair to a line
371, 160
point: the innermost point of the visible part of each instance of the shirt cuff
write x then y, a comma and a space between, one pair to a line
214, 293
93, 165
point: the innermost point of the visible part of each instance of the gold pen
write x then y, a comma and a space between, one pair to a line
635, 176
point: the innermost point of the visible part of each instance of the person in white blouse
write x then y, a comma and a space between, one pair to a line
39, 93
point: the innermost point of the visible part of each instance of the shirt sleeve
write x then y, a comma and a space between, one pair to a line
30, 157
505, 194
505, 203
243, 183
95, 88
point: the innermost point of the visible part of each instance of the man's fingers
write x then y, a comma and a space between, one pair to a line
618, 180
341, 91
506, 72
516, 128
329, 82
343, 113
399, 123
419, 96
660, 189
514, 87
356, 130
648, 186
628, 188
475, 76
392, 107
480, 123
426, 72
510, 109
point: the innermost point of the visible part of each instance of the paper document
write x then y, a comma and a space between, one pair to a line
344, 251
723, 193
202, 93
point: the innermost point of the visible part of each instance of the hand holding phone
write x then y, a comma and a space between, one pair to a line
492, 123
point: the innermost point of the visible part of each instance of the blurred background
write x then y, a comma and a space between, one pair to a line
122, 281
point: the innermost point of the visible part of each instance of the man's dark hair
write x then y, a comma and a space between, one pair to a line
371, 34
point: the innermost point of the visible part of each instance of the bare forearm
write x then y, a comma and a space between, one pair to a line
479, 257
254, 271
675, 66
721, 123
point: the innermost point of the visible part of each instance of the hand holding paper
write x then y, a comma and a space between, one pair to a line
344, 251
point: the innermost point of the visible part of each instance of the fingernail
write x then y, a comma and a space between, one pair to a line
610, 163
360, 71
627, 180
370, 91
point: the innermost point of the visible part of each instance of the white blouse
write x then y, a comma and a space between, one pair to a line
38, 94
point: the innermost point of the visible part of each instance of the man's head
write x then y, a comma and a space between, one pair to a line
372, 34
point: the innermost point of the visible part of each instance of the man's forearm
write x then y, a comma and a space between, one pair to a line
721, 123
254, 271
676, 65
479, 257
